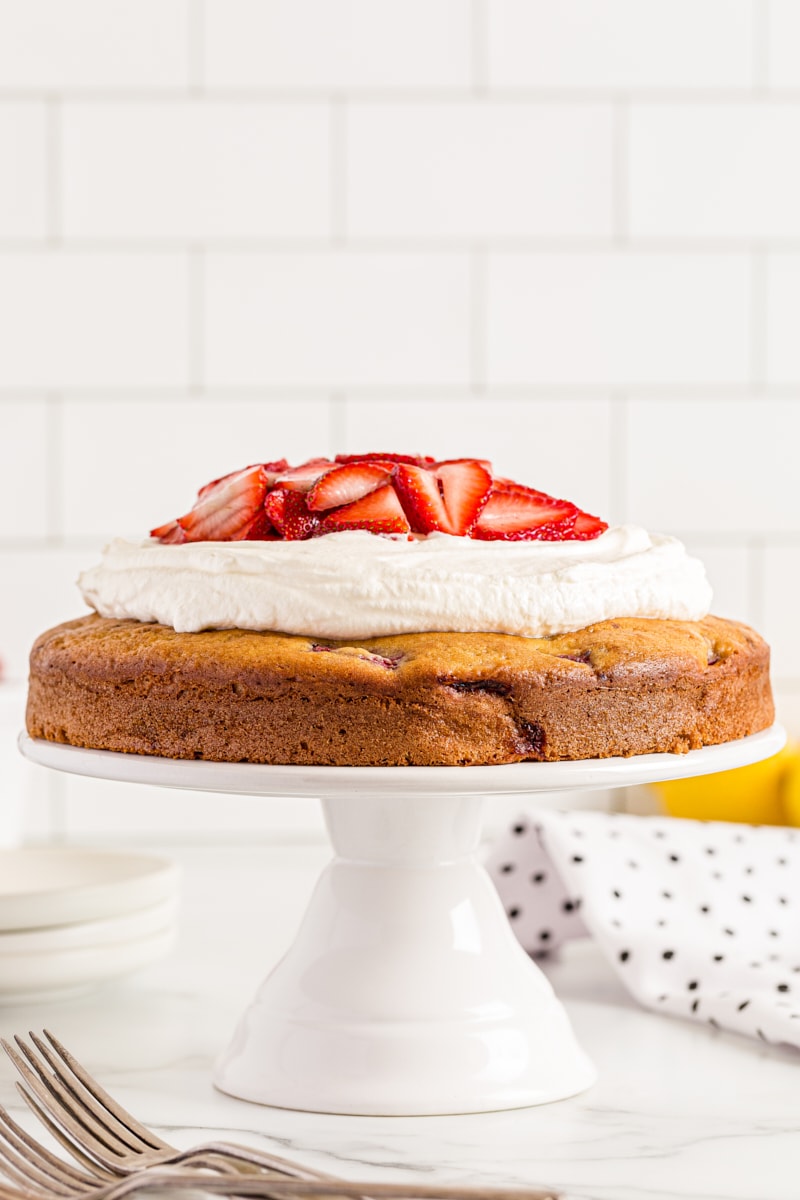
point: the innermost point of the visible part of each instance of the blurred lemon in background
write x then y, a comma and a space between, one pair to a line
766, 793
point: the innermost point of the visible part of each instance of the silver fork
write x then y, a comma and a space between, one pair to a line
101, 1135
117, 1155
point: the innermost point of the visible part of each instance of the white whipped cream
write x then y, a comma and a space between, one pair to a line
356, 585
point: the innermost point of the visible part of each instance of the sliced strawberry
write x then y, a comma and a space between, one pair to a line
260, 529
303, 478
522, 514
449, 499
271, 472
587, 527
379, 512
416, 460
347, 483
298, 523
421, 499
466, 484
169, 534
225, 510
274, 507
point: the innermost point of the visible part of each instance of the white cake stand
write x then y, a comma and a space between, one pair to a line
405, 991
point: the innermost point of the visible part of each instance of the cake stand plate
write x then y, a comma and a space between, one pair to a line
405, 991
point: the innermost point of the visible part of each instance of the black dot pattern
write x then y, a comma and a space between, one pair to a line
699, 919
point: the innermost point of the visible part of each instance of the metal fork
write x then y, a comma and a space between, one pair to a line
101, 1135
117, 1155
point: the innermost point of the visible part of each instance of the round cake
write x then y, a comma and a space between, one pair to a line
630, 686
390, 610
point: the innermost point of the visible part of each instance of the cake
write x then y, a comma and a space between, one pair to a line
393, 610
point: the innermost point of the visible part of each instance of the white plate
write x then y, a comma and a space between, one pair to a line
86, 934
46, 976
253, 779
60, 886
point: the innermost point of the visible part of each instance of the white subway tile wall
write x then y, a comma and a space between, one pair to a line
562, 235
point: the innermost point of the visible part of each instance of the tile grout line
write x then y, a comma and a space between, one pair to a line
195, 46
338, 170
337, 422
53, 161
54, 458
478, 319
618, 456
759, 267
620, 171
756, 583
196, 323
496, 93
761, 64
479, 46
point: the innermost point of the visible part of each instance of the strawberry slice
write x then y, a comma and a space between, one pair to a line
449, 499
260, 529
587, 527
347, 483
421, 499
169, 534
303, 478
274, 507
466, 484
516, 514
379, 512
227, 507
271, 471
415, 460
298, 523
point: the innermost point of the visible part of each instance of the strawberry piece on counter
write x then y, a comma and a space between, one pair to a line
348, 483
379, 512
226, 508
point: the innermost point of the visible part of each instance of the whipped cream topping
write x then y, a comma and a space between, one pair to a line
354, 584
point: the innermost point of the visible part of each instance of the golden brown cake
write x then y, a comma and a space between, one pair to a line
619, 687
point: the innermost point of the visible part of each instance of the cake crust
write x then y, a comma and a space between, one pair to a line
622, 687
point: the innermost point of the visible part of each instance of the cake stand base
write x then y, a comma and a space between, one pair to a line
405, 991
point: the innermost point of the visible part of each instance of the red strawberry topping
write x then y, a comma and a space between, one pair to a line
169, 533
303, 478
226, 508
521, 514
416, 460
379, 512
449, 499
587, 527
298, 523
380, 493
347, 483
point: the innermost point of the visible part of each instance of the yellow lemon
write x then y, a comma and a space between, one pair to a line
755, 794
790, 787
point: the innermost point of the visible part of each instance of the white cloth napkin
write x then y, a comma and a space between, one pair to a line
698, 919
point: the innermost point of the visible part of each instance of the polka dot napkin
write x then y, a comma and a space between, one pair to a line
700, 920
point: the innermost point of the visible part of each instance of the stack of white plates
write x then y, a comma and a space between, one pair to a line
73, 918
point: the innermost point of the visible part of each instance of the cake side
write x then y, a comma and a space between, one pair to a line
622, 687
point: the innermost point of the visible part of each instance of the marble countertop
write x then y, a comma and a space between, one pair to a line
679, 1111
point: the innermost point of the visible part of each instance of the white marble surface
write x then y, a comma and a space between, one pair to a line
679, 1111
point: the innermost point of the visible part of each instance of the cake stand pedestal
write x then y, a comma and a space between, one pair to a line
405, 991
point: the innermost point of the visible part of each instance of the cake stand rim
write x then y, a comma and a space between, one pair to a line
320, 782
